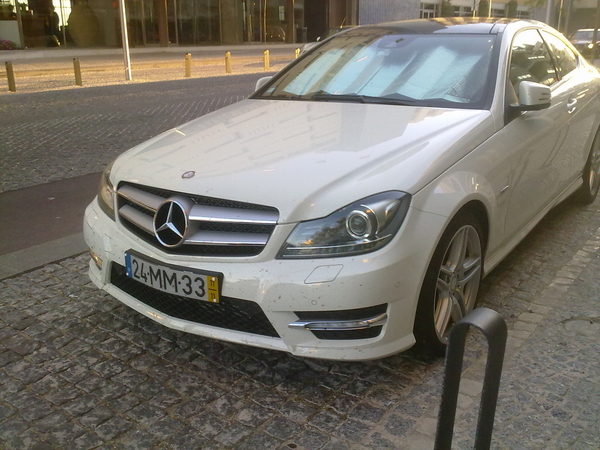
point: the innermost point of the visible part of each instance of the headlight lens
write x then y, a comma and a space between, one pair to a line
362, 227
106, 194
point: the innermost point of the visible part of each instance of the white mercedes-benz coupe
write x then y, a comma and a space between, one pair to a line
352, 204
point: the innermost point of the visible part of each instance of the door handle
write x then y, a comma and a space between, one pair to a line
571, 105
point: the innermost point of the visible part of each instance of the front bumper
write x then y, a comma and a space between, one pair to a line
376, 291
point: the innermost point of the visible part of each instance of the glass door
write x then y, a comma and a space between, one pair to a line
142, 23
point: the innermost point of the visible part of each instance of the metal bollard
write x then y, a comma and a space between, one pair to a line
493, 327
227, 62
266, 60
297, 53
77, 69
10, 76
188, 65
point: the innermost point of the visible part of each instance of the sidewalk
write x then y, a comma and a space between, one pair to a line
50, 69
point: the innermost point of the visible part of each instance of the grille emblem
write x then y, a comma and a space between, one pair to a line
187, 175
170, 223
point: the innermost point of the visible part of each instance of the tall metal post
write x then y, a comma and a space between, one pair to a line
125, 40
595, 34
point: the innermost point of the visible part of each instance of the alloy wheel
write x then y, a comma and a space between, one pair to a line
458, 280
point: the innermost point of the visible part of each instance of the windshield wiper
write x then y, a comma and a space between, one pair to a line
357, 98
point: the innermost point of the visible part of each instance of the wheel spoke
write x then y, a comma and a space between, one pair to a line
458, 249
443, 314
443, 287
457, 307
471, 269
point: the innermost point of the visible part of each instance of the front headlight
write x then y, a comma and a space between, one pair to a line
106, 194
361, 227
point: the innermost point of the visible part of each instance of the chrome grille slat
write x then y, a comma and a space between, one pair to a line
137, 218
141, 198
223, 238
216, 226
232, 215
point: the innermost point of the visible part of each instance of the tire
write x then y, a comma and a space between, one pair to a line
591, 174
451, 283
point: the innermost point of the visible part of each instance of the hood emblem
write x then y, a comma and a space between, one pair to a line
170, 223
188, 175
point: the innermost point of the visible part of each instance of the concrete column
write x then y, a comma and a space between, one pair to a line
163, 22
232, 25
291, 25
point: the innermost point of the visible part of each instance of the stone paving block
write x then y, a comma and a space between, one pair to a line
165, 427
352, 430
233, 434
188, 439
253, 415
398, 426
367, 413
138, 440
96, 416
113, 427
326, 420
282, 428
260, 440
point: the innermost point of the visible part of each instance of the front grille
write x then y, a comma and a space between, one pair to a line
216, 227
229, 313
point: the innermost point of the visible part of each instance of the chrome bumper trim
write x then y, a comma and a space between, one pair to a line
328, 325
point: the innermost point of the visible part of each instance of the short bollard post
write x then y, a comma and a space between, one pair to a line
227, 62
266, 59
493, 327
188, 65
297, 53
10, 76
77, 69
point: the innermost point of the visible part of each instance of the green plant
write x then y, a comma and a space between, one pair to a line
447, 9
512, 9
484, 8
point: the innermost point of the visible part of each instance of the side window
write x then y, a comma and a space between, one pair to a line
565, 59
530, 60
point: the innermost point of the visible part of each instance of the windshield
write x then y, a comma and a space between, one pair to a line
377, 66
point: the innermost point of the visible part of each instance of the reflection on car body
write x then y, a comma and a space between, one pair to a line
349, 208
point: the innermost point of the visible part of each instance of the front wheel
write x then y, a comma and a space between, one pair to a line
591, 174
451, 284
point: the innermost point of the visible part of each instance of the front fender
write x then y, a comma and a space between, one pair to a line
483, 176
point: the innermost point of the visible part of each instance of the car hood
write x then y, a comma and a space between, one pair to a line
307, 159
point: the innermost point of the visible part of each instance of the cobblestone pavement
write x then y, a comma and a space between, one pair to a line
80, 370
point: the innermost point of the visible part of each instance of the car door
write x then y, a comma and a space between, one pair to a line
576, 91
534, 138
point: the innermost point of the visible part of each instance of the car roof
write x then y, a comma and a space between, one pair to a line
451, 25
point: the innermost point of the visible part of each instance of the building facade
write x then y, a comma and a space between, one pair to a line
96, 23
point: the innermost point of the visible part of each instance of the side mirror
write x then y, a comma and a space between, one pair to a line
261, 82
533, 96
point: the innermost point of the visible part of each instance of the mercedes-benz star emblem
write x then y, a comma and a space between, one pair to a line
170, 223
